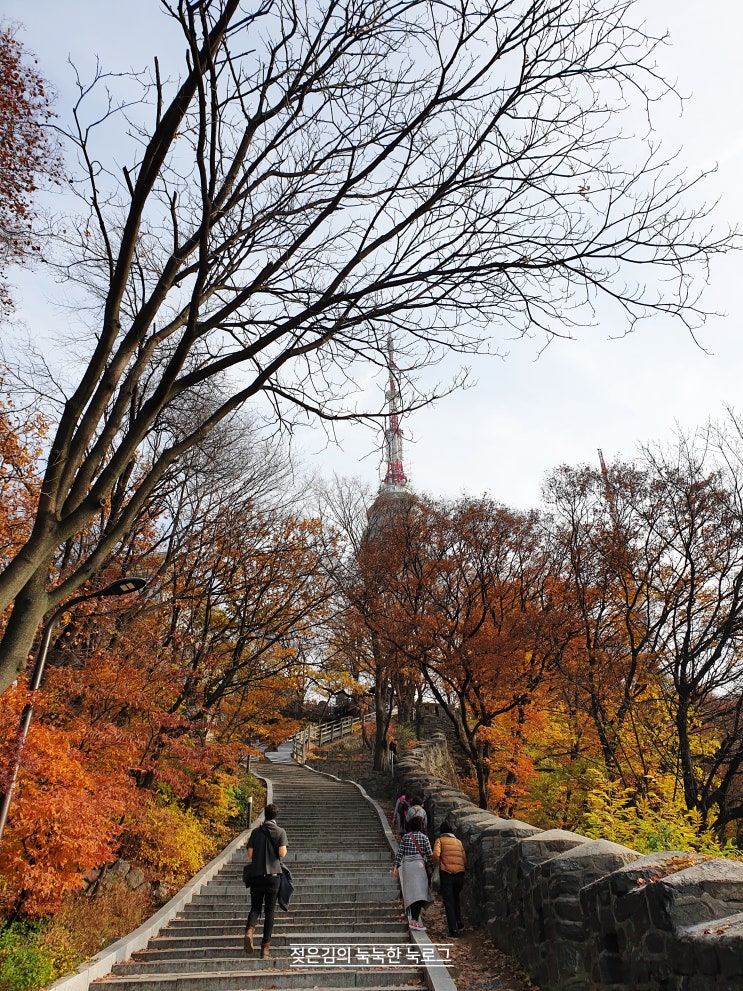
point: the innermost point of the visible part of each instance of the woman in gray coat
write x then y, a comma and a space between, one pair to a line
413, 862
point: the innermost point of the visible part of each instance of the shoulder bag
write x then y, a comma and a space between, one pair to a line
429, 870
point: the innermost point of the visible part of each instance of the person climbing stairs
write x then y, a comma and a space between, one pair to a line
346, 927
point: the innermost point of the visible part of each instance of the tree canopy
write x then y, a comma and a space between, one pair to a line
29, 153
314, 175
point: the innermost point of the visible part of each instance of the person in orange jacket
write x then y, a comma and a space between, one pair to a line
450, 857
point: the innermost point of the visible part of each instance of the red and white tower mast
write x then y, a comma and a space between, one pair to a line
395, 476
394, 493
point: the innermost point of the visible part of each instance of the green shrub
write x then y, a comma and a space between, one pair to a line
249, 787
405, 736
25, 965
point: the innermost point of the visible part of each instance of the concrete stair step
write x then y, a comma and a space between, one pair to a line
308, 911
345, 902
339, 858
313, 882
308, 863
309, 923
298, 907
233, 946
234, 964
349, 902
236, 909
320, 896
312, 917
230, 928
258, 980
370, 914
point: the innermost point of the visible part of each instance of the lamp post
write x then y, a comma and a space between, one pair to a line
123, 586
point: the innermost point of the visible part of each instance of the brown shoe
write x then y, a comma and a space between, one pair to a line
248, 941
265, 947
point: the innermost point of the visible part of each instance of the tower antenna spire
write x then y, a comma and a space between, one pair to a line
392, 433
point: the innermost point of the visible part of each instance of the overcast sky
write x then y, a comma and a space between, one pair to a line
526, 413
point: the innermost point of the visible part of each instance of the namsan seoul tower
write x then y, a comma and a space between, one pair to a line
395, 478
394, 493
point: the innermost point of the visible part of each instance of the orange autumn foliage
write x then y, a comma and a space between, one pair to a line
459, 592
66, 814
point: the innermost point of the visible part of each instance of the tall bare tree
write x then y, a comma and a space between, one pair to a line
654, 557
317, 173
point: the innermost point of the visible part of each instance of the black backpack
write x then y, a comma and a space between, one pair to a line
249, 870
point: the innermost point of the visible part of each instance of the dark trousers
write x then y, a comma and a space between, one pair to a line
415, 910
451, 885
264, 891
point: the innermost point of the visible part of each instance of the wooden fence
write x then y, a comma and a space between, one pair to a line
317, 734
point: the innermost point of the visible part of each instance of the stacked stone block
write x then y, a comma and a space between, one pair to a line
589, 915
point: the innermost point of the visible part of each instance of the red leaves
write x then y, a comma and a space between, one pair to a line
27, 150
64, 818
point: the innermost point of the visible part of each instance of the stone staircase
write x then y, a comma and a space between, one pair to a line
346, 927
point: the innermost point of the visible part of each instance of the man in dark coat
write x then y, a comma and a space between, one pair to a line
267, 844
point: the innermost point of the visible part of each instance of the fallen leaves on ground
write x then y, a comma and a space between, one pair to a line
476, 965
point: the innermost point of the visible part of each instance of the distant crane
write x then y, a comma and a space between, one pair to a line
608, 490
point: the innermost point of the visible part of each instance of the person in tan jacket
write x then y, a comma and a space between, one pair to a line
450, 857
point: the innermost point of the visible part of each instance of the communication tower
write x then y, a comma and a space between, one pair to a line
394, 493
395, 477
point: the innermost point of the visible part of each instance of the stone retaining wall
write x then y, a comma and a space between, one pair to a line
589, 914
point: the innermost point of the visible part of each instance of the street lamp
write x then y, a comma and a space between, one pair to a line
123, 586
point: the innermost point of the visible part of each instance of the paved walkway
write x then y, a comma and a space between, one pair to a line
346, 927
